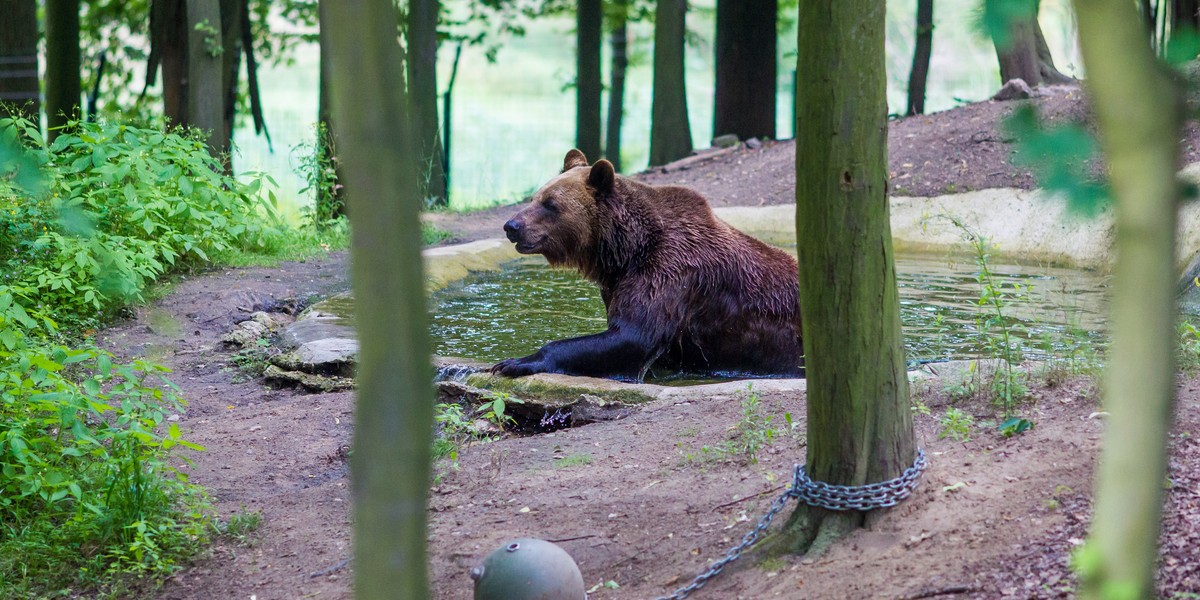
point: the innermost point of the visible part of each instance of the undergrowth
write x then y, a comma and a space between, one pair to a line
90, 506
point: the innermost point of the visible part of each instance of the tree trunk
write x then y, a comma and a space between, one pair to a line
63, 85
205, 103
394, 422
231, 65
1018, 53
330, 203
422, 88
588, 87
1185, 15
616, 89
1046, 69
1139, 114
859, 417
19, 59
919, 74
745, 68
169, 44
670, 133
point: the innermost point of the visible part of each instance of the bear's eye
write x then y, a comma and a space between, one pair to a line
549, 205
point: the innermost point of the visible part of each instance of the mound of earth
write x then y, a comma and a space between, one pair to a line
646, 502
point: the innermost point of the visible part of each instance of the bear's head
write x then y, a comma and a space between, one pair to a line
560, 223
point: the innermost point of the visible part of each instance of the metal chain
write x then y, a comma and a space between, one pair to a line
884, 494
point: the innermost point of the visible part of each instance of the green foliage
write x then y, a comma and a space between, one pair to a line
431, 234
317, 164
121, 207
240, 526
749, 436
82, 441
573, 460
996, 17
1007, 385
1014, 426
956, 425
1058, 157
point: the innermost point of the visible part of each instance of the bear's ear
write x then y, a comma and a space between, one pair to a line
574, 158
602, 176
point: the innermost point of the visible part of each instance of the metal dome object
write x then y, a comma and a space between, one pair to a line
528, 569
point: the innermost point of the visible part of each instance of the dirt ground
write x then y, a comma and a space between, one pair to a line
993, 517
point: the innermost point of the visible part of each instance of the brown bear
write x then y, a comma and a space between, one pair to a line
682, 289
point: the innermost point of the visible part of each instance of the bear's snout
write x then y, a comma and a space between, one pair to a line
512, 229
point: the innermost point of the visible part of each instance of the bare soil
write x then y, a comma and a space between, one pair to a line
629, 499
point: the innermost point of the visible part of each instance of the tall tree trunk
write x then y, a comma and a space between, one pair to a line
616, 89
670, 133
745, 68
19, 58
588, 87
205, 102
231, 65
64, 87
330, 203
422, 89
169, 48
859, 417
1185, 14
919, 74
1046, 69
394, 424
1139, 113
1017, 53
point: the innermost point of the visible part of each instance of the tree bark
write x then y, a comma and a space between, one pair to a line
1139, 114
1046, 69
588, 87
859, 420
394, 423
205, 103
919, 74
64, 87
231, 65
19, 59
670, 133
169, 48
422, 88
744, 92
332, 204
1018, 54
616, 89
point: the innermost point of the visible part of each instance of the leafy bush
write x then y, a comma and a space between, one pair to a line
87, 497
121, 206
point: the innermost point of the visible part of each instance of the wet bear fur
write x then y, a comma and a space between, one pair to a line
682, 290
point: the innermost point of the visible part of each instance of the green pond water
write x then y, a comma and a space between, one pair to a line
1051, 311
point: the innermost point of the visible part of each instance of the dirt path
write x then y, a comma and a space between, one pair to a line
635, 501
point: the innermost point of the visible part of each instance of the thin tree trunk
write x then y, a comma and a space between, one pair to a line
394, 422
919, 74
19, 59
231, 66
1139, 114
588, 87
616, 89
169, 35
63, 85
859, 417
330, 203
744, 93
670, 133
205, 102
422, 88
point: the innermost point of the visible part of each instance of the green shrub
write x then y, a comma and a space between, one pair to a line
88, 501
121, 206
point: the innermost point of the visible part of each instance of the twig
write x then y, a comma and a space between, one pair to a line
571, 539
931, 592
732, 502
330, 570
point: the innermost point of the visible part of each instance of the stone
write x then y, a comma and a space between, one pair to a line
727, 140
245, 334
754, 143
329, 356
309, 381
1014, 89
